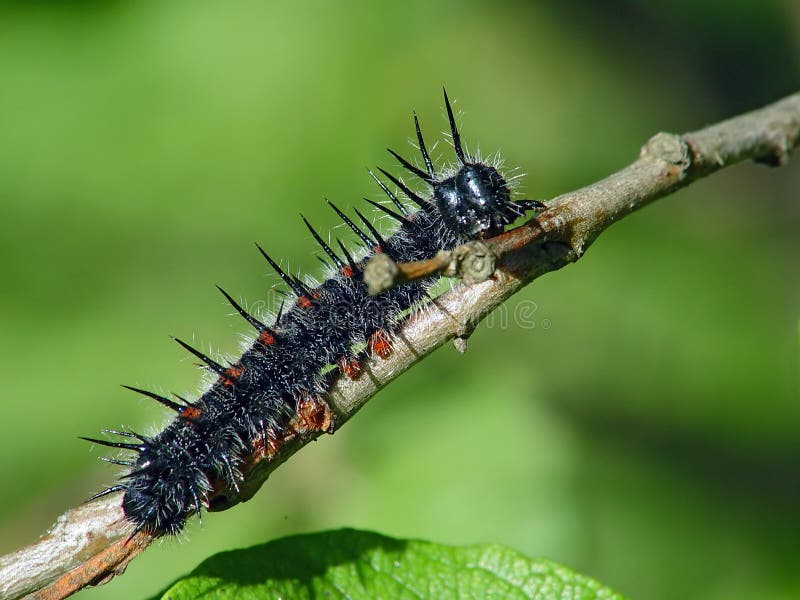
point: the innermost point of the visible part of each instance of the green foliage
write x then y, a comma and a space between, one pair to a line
361, 564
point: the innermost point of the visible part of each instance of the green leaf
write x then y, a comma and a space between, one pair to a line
360, 564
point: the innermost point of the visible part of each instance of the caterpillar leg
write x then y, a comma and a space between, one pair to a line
380, 343
350, 367
526, 205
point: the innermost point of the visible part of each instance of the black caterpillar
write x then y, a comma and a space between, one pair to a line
274, 390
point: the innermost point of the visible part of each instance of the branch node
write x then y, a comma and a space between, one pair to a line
671, 149
380, 273
473, 262
778, 154
465, 329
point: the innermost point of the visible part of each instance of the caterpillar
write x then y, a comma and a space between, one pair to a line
276, 388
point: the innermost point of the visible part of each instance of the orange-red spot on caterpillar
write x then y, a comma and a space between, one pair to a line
377, 250
273, 445
266, 338
231, 375
347, 271
304, 302
380, 344
190, 413
258, 447
351, 368
267, 446
314, 414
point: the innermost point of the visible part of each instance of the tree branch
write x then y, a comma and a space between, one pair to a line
89, 544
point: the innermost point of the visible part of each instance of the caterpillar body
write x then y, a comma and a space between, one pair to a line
276, 386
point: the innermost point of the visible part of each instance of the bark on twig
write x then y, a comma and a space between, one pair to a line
89, 544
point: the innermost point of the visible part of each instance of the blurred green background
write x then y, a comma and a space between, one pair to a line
642, 426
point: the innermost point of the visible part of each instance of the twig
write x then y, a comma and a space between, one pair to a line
766, 135
89, 545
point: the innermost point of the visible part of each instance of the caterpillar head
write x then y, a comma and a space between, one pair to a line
475, 202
